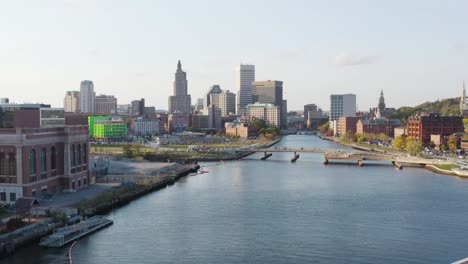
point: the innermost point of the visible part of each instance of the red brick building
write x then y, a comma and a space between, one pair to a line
377, 126
346, 123
37, 160
422, 127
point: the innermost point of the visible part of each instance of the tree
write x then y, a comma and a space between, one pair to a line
414, 146
465, 121
383, 137
399, 143
362, 138
258, 123
324, 128
452, 142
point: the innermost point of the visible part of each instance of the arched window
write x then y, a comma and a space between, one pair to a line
79, 154
43, 163
53, 158
32, 165
85, 154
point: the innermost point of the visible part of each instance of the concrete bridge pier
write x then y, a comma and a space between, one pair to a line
397, 165
295, 157
360, 163
266, 156
325, 162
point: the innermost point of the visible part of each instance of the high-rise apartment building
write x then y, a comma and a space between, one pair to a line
105, 104
71, 102
227, 103
270, 92
181, 101
87, 96
245, 76
341, 105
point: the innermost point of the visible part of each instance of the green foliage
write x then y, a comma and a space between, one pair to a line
449, 107
399, 143
443, 147
324, 128
15, 223
414, 146
58, 216
383, 137
362, 139
132, 150
452, 142
258, 123
465, 121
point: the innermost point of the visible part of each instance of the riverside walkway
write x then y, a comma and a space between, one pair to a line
350, 155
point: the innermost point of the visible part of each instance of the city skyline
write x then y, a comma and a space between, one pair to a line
358, 48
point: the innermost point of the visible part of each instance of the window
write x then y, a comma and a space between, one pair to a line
53, 158
33, 193
43, 164
79, 155
3, 196
32, 165
12, 164
85, 154
73, 155
2, 164
12, 197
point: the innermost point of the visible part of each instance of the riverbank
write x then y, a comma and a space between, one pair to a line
101, 203
451, 170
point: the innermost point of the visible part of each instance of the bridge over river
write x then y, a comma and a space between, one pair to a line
349, 155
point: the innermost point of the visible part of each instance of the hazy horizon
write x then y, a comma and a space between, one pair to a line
415, 51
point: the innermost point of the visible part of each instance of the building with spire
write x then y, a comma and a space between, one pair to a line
181, 101
463, 102
381, 111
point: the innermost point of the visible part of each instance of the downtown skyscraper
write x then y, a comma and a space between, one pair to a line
87, 97
181, 101
245, 76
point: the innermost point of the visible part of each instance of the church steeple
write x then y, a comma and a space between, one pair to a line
381, 106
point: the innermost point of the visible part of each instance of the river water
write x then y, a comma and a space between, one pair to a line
275, 211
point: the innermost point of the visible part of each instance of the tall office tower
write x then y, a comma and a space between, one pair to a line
87, 96
137, 107
270, 92
245, 76
71, 102
105, 104
227, 103
181, 101
341, 105
215, 89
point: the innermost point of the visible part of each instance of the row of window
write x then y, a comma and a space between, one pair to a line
3, 196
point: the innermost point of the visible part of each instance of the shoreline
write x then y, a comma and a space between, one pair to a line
13, 241
431, 168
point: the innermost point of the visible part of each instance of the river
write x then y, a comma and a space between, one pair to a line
275, 211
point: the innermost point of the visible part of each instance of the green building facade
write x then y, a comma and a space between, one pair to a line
105, 127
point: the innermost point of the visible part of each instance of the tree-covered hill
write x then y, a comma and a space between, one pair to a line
450, 107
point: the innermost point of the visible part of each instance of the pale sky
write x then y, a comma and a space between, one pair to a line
415, 51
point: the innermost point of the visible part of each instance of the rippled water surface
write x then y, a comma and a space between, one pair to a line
275, 211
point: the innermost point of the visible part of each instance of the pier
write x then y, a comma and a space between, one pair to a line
68, 234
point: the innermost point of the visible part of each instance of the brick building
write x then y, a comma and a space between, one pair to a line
240, 129
346, 123
37, 160
378, 126
422, 127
